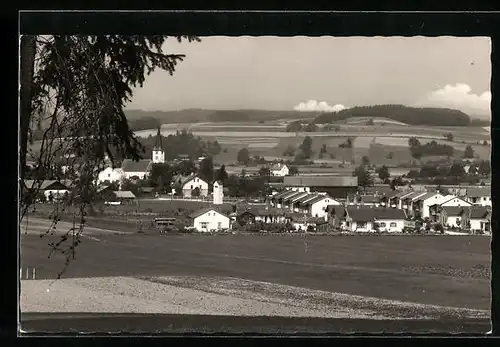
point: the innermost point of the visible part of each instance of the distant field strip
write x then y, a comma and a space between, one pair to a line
216, 296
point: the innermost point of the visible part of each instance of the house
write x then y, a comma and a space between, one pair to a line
453, 216
369, 219
210, 219
110, 175
422, 204
52, 189
265, 215
279, 170
480, 220
301, 223
316, 206
188, 184
288, 201
396, 201
334, 185
479, 196
336, 215
408, 200
454, 201
136, 170
365, 200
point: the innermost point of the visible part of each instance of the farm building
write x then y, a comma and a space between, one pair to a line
279, 170
479, 196
52, 189
335, 186
110, 175
124, 196
136, 169
366, 219
210, 219
188, 184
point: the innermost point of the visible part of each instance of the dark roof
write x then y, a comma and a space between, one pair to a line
337, 210
143, 165
478, 192
321, 181
479, 212
367, 214
280, 194
367, 199
307, 199
158, 143
288, 194
455, 210
205, 210
256, 211
293, 196
46, 184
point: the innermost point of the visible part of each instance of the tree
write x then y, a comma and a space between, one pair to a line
306, 147
390, 155
293, 171
243, 156
484, 168
469, 152
294, 127
289, 151
365, 160
323, 149
457, 170
161, 175
73, 91
264, 172
364, 177
221, 174
370, 122
196, 192
383, 173
206, 169
449, 136
413, 142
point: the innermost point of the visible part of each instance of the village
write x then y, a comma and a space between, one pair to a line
292, 203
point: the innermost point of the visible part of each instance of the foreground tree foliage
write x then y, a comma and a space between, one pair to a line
73, 90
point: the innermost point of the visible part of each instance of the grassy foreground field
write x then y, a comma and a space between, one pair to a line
340, 282
446, 271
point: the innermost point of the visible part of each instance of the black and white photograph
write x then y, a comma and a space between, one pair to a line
259, 184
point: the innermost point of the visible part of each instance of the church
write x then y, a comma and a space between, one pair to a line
136, 170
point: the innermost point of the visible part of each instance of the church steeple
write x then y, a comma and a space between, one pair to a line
158, 143
158, 153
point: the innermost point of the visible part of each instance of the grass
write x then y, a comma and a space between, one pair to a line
447, 271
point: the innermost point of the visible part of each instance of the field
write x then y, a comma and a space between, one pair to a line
367, 277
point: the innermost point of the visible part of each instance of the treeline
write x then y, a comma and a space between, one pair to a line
182, 143
144, 123
299, 126
255, 115
400, 113
429, 149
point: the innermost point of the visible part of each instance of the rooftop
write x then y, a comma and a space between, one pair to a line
367, 214
143, 165
321, 181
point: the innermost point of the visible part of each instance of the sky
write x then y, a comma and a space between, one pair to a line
322, 74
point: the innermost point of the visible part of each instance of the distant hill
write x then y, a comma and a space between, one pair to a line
400, 113
202, 115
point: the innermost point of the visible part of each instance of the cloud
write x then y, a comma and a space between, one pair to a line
321, 106
461, 97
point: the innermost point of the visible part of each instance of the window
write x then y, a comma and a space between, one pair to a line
191, 186
382, 224
362, 225
204, 225
219, 225
393, 225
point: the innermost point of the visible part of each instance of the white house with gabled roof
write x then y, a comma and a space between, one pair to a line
279, 170
210, 219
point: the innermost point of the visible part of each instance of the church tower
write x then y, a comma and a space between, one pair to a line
158, 156
218, 193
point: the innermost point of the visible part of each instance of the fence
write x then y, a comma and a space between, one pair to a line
27, 273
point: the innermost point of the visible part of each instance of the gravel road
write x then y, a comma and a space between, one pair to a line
215, 296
